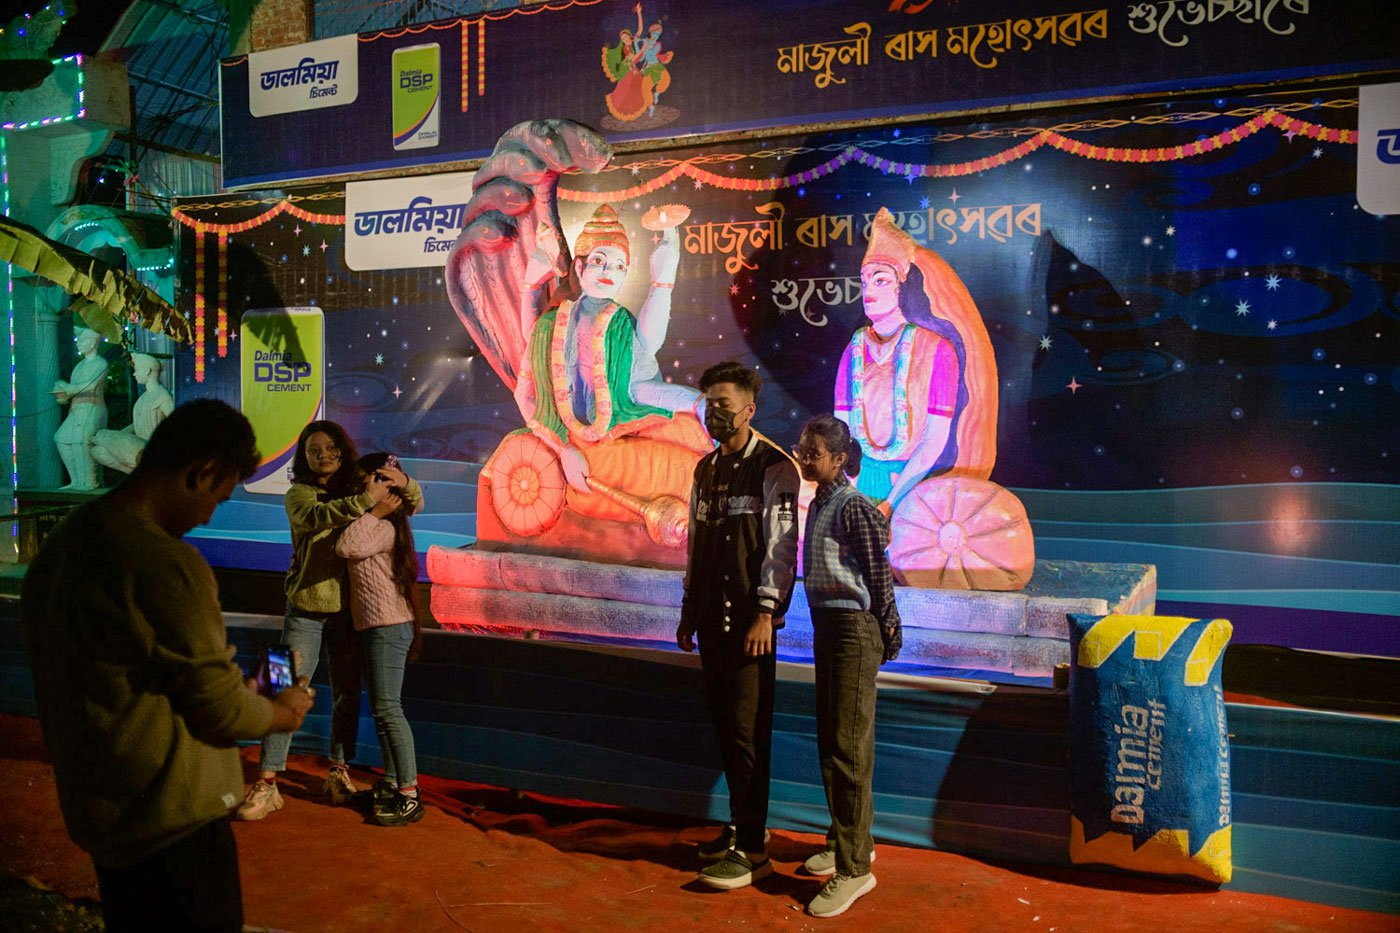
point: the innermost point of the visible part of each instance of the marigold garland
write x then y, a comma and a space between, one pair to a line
702, 177
972, 166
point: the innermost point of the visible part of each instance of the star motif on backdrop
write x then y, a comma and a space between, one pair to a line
1044, 343
1317, 152
697, 184
635, 170
324, 246
909, 177
1242, 309
1272, 283
1273, 325
923, 203
1073, 385
306, 251
297, 229
379, 359
1171, 231
954, 196
655, 238
397, 391
734, 289
1290, 134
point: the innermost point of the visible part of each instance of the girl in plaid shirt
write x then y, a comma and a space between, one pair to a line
855, 628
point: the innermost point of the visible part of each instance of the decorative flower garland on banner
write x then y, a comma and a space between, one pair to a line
221, 310
199, 303
222, 233
702, 177
972, 166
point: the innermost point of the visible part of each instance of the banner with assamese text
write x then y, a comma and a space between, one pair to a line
441, 92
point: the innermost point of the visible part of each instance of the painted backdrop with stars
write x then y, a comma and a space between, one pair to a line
1194, 323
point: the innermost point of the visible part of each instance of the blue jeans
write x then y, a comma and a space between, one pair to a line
386, 655
305, 632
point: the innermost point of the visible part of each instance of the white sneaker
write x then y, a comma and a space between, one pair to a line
838, 894
262, 798
824, 862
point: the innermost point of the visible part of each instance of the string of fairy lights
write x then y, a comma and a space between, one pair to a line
78, 111
693, 169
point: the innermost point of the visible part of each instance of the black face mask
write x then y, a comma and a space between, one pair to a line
720, 423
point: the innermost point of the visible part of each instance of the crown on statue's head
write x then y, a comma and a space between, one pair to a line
602, 229
889, 244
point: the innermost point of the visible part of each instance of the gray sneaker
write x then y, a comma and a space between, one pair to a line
838, 894
824, 862
339, 787
262, 798
714, 849
738, 869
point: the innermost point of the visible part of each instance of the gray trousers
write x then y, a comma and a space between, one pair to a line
848, 650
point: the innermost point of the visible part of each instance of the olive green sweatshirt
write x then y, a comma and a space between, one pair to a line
318, 579
139, 699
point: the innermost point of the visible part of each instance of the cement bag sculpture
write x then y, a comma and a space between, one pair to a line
1149, 748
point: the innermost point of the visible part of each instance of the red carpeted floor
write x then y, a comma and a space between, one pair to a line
485, 859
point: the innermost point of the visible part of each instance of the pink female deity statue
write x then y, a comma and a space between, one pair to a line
917, 386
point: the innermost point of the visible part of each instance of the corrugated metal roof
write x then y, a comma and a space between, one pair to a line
171, 49
342, 17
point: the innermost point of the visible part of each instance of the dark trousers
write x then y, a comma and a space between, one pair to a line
190, 885
740, 691
848, 649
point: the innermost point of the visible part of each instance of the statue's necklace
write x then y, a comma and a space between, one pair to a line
897, 448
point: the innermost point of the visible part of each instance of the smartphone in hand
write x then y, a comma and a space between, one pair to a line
277, 670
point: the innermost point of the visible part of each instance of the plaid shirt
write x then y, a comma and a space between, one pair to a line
867, 534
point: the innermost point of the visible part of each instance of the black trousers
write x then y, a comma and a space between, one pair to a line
190, 885
740, 692
847, 649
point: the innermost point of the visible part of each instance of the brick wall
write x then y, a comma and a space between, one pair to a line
279, 23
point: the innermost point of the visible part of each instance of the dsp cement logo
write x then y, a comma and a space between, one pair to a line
278, 372
282, 368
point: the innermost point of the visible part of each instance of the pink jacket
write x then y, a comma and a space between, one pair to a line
368, 543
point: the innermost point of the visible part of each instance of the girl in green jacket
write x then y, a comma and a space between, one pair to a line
322, 501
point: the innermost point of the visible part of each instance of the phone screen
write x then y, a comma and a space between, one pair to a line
279, 670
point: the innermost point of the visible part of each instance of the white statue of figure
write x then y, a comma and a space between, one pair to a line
87, 411
121, 449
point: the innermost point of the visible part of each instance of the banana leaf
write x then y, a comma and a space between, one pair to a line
99, 287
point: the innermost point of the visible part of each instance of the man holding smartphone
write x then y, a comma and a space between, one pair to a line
138, 695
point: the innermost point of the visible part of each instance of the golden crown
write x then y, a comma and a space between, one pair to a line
602, 229
889, 244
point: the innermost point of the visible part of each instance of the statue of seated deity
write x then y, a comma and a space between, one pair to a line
918, 388
84, 394
120, 450
603, 467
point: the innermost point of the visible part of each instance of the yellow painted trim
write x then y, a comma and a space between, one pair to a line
1166, 853
1207, 651
1153, 637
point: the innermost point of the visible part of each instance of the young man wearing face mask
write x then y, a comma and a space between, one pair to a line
740, 569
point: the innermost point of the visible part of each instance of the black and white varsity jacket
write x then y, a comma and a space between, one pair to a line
742, 550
